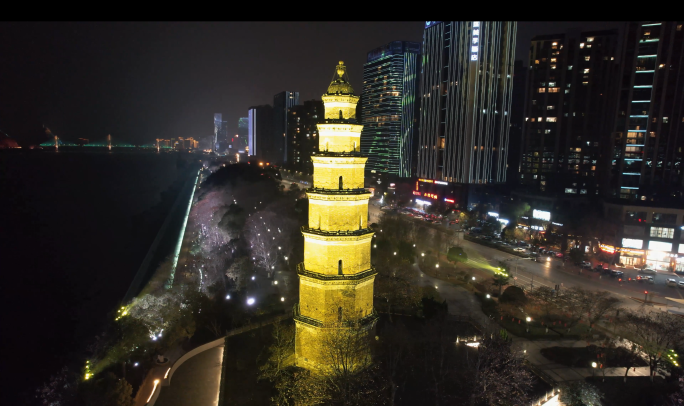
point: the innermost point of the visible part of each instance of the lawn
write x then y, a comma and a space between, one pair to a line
582, 357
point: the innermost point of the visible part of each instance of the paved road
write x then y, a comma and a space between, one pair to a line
555, 272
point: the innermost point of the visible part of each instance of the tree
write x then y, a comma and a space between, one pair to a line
233, 220
108, 390
500, 279
576, 255
513, 295
281, 350
496, 375
457, 254
580, 393
655, 331
544, 297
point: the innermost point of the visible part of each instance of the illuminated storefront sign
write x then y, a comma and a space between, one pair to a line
503, 221
541, 215
431, 195
417, 193
632, 243
607, 248
449, 200
438, 182
423, 202
660, 246
493, 214
475, 45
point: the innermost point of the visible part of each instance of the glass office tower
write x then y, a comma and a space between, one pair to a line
466, 89
388, 107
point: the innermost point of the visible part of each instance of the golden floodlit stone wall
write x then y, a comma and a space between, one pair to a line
322, 255
327, 172
336, 103
332, 215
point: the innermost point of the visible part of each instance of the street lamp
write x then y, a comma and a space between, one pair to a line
473, 278
593, 368
436, 265
250, 301
422, 254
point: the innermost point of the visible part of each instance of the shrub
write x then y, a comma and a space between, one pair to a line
513, 295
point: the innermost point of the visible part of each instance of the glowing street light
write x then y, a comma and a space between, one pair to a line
436, 265
395, 253
250, 301
488, 296
282, 299
422, 254
253, 277
227, 297
473, 278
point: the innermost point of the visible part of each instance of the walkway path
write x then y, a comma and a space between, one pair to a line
196, 382
561, 373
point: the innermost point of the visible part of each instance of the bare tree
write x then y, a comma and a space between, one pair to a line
281, 351
269, 239
498, 375
655, 331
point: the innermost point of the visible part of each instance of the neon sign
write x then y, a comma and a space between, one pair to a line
449, 200
439, 182
417, 193
430, 195
426, 180
607, 248
474, 49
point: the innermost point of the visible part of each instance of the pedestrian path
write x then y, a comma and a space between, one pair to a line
561, 373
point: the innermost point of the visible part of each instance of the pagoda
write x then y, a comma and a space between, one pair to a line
336, 277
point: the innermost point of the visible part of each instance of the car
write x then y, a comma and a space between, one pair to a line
680, 284
418, 216
559, 255
519, 249
615, 273
671, 282
648, 270
586, 264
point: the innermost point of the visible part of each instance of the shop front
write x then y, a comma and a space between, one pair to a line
658, 260
631, 257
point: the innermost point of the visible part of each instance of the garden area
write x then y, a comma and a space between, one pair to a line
582, 357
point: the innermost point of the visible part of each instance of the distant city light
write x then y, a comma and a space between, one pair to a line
250, 301
227, 297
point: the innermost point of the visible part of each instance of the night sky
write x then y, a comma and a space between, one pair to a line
141, 81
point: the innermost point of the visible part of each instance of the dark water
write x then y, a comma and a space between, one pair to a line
74, 229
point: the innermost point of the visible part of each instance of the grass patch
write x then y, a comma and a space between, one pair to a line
582, 357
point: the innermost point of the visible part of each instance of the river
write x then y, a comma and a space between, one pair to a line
75, 229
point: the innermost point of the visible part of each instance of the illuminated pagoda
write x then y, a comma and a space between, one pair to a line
336, 277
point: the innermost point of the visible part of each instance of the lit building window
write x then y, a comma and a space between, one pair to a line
586, 70
550, 119
542, 90
581, 45
665, 119
550, 107
553, 66
547, 131
586, 58
662, 232
590, 39
552, 84
570, 67
554, 89
553, 59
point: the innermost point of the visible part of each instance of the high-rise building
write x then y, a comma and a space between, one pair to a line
466, 88
281, 103
649, 128
568, 108
240, 139
336, 277
302, 133
390, 81
260, 132
517, 119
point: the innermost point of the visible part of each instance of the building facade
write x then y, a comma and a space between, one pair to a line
390, 80
649, 128
336, 278
281, 103
640, 234
570, 98
466, 90
302, 133
260, 132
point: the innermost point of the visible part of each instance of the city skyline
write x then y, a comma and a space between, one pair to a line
162, 80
